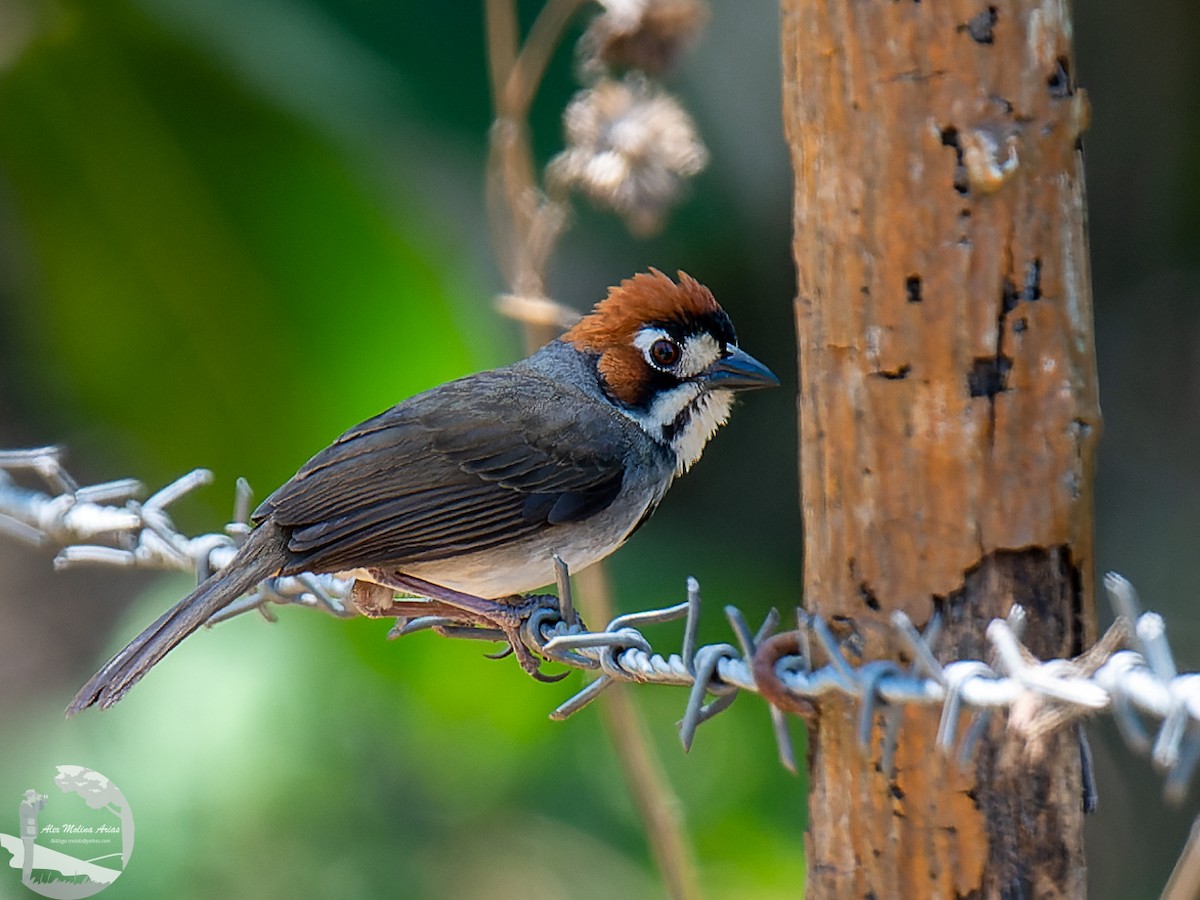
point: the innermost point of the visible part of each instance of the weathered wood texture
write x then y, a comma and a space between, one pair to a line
948, 412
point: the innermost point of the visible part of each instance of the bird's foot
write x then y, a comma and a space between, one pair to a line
456, 614
511, 621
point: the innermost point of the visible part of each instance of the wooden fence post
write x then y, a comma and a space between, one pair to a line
948, 415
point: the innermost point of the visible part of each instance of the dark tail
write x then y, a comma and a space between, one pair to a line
260, 557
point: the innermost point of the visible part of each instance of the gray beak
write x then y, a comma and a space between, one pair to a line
739, 371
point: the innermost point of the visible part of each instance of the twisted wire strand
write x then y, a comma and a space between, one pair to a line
105, 525
1131, 674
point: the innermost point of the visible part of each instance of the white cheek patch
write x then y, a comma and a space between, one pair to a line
697, 412
666, 408
697, 353
669, 404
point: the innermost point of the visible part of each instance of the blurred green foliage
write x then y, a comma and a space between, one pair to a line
239, 228
231, 229
193, 244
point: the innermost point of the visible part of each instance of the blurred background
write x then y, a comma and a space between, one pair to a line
228, 230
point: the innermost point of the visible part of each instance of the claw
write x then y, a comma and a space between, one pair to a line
530, 664
504, 651
397, 630
406, 626
538, 675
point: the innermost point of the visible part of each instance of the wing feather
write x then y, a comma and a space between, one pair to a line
463, 467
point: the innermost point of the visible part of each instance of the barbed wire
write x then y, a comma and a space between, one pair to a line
104, 524
1130, 674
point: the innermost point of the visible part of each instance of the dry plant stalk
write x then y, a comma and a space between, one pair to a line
631, 148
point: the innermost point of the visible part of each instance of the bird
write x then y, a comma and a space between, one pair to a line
465, 493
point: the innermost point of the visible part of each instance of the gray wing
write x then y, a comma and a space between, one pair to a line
460, 468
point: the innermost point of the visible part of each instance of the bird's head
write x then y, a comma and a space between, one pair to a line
667, 356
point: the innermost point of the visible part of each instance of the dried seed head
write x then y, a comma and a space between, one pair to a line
630, 147
647, 35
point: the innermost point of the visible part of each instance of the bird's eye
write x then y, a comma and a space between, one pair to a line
664, 352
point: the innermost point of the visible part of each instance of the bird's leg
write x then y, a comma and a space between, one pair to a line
377, 601
507, 618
